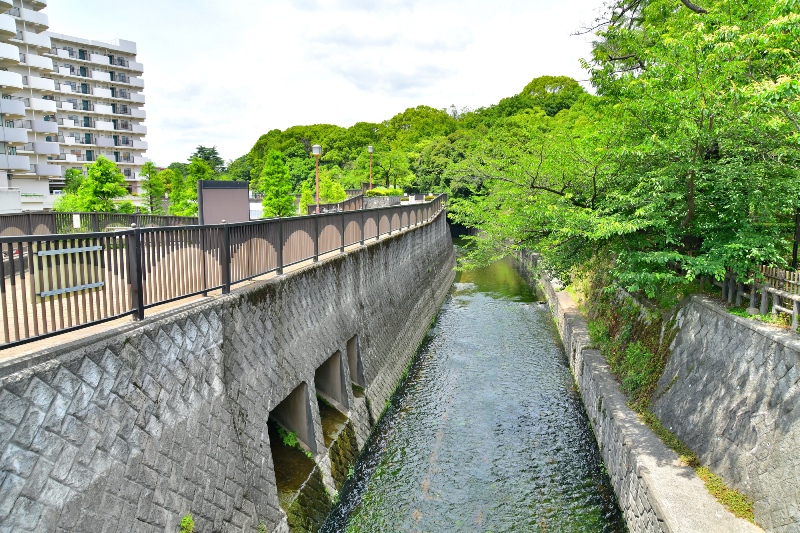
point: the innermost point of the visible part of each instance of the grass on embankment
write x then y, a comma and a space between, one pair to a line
630, 338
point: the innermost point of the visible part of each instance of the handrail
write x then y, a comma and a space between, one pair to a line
61, 282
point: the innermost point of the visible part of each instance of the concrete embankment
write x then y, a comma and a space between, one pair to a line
655, 491
132, 429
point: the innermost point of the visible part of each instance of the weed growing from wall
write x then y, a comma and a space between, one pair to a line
187, 524
290, 439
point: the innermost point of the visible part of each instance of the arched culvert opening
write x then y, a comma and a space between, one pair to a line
292, 442
332, 399
356, 367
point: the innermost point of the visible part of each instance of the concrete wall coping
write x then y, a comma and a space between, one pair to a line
676, 495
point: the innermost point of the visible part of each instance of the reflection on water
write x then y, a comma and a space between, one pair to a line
488, 433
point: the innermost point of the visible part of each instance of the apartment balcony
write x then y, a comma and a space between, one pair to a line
103, 125
42, 126
103, 109
37, 5
40, 84
137, 97
102, 93
39, 104
139, 128
36, 40
65, 88
64, 71
139, 113
14, 136
8, 26
137, 82
6, 4
104, 142
37, 62
66, 106
11, 81
64, 158
46, 170
42, 148
140, 145
15, 162
9, 55
100, 76
12, 108
69, 123
31, 18
60, 52
100, 59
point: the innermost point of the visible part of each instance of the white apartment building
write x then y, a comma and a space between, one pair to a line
64, 101
26, 93
99, 104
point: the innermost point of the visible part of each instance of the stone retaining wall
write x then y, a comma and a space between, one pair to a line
131, 429
654, 491
730, 391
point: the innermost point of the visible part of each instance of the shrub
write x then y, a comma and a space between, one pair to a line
381, 191
187, 524
430, 197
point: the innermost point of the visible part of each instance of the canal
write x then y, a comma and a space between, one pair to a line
487, 433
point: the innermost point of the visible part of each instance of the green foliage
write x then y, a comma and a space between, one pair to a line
210, 156
275, 183
330, 190
154, 188
306, 198
183, 195
73, 177
98, 191
187, 524
290, 439
239, 169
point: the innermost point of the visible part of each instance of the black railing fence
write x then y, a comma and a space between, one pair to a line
62, 282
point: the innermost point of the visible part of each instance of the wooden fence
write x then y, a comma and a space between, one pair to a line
57, 283
775, 289
51, 222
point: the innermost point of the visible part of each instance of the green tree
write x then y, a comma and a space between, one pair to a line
98, 191
154, 188
306, 197
210, 156
183, 201
72, 180
276, 186
331, 190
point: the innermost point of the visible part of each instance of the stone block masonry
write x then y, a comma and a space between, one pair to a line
129, 430
731, 391
655, 492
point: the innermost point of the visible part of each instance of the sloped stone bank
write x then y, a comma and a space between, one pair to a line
731, 392
655, 492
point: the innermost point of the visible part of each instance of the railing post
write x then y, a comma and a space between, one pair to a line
362, 225
763, 309
226, 259
30, 223
134, 251
341, 233
280, 246
204, 254
95, 223
795, 312
316, 237
739, 291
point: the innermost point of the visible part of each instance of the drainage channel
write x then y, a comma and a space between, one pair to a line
488, 433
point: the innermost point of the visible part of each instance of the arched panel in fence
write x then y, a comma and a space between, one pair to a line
254, 250
395, 221
352, 227
370, 225
298, 238
330, 233
384, 224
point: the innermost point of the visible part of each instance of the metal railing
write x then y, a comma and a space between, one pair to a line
57, 283
351, 204
50, 222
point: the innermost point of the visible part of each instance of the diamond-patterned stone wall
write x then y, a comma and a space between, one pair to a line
132, 429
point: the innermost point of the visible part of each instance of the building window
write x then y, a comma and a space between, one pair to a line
11, 150
9, 123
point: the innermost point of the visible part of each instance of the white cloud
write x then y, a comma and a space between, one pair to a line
224, 73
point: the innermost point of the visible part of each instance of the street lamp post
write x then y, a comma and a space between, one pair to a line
317, 151
370, 150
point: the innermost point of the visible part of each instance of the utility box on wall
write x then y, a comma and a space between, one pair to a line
223, 200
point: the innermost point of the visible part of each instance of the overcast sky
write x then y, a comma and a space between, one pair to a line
224, 72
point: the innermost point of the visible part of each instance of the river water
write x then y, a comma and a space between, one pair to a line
487, 433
